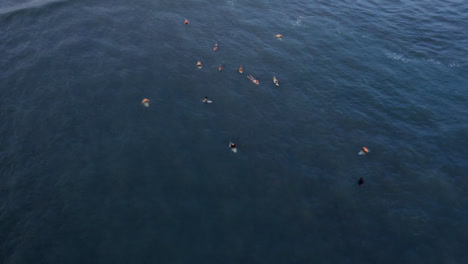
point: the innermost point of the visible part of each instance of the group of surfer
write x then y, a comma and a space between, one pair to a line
233, 146
240, 70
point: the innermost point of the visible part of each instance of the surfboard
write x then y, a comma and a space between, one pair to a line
207, 102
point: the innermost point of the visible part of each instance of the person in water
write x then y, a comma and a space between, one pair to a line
215, 48
220, 67
278, 36
145, 102
275, 81
365, 150
206, 99
232, 145
186, 22
253, 79
361, 181
199, 64
241, 69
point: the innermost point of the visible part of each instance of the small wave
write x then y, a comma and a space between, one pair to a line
395, 56
433, 61
28, 5
402, 58
298, 21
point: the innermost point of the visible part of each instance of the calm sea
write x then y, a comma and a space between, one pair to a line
89, 175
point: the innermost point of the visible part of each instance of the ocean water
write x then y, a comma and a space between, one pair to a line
88, 175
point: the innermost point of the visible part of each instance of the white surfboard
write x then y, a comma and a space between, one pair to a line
146, 104
207, 102
363, 153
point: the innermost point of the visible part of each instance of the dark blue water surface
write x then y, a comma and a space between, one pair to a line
89, 175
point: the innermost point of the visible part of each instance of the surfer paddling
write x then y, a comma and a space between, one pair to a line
241, 69
275, 81
206, 100
145, 102
233, 147
215, 48
251, 78
364, 151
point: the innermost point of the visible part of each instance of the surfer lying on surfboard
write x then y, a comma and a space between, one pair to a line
233, 147
206, 101
253, 79
364, 151
145, 102
275, 81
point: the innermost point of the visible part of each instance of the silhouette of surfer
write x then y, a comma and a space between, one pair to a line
361, 181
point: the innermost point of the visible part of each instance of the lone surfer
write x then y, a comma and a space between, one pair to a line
145, 102
364, 151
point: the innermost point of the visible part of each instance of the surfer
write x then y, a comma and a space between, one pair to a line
241, 69
220, 67
186, 22
275, 81
233, 147
206, 100
199, 64
278, 36
215, 48
364, 151
361, 181
145, 102
253, 79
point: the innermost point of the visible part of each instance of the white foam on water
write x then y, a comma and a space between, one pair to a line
397, 57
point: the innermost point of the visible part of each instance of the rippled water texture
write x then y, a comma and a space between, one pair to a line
88, 175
